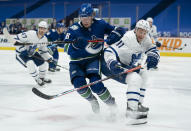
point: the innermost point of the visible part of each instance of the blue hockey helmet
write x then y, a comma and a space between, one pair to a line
86, 10
59, 25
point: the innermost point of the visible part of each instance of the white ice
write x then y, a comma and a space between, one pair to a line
168, 97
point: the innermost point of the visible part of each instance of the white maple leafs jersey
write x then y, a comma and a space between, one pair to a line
128, 45
153, 32
31, 37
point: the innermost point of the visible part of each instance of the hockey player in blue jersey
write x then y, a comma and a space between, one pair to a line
85, 56
134, 48
55, 35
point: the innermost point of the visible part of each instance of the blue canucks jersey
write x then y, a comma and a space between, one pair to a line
53, 35
96, 31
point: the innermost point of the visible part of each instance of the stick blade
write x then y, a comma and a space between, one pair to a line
40, 94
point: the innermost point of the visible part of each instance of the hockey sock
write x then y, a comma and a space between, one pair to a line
85, 92
32, 69
43, 70
133, 92
106, 97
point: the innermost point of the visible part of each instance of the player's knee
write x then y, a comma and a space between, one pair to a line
133, 79
44, 66
96, 88
78, 82
30, 64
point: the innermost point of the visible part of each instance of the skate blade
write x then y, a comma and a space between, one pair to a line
136, 121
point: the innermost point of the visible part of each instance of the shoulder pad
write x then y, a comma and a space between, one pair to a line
74, 27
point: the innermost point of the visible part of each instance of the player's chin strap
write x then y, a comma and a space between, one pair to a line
49, 97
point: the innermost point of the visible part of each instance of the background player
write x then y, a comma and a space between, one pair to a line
55, 35
153, 32
30, 58
128, 53
85, 56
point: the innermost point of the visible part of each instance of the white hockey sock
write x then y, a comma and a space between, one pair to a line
43, 70
145, 84
134, 82
32, 69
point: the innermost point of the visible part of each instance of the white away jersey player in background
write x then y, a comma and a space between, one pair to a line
153, 29
127, 53
85, 56
28, 55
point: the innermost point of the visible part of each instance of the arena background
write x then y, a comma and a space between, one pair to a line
170, 16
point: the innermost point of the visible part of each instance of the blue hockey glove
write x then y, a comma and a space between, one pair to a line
31, 51
115, 35
158, 44
152, 60
115, 67
81, 42
52, 61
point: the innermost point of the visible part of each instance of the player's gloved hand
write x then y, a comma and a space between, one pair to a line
52, 61
31, 51
152, 60
52, 48
81, 43
158, 44
115, 35
115, 67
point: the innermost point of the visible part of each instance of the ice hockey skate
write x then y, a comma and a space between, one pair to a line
40, 81
46, 80
95, 106
136, 117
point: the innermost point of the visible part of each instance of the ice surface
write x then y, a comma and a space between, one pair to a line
168, 96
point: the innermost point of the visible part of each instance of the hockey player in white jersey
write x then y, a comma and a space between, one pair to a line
153, 32
35, 61
128, 53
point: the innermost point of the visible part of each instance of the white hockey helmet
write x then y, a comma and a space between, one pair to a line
143, 24
149, 19
43, 24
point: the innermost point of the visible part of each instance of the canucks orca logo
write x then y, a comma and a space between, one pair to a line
94, 47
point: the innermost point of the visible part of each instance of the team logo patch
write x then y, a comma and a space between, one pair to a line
74, 27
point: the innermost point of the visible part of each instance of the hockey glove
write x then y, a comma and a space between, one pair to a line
31, 51
115, 67
158, 44
115, 35
152, 60
81, 42
52, 61
52, 48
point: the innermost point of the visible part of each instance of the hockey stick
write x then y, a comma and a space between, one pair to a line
16, 43
56, 42
180, 48
48, 61
8, 36
49, 97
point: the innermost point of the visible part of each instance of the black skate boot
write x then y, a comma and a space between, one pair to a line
46, 80
143, 108
40, 82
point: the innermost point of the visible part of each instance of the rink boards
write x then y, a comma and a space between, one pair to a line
171, 46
